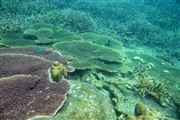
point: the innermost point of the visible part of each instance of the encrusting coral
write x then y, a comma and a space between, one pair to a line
58, 71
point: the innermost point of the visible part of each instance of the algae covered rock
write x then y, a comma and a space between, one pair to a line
85, 102
103, 40
88, 55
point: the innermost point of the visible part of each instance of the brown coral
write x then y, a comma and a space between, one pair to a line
12, 64
25, 96
44, 52
25, 90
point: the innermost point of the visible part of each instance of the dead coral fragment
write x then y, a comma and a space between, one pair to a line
26, 96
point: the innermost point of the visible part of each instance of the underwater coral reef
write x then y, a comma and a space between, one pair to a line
89, 60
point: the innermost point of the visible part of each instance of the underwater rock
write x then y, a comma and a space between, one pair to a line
85, 102
26, 96
88, 55
103, 40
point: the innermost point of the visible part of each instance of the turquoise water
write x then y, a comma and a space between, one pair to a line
118, 60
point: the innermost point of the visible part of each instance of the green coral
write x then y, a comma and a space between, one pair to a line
49, 34
87, 55
15, 40
103, 40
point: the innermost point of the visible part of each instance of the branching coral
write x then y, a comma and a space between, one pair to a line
146, 86
72, 20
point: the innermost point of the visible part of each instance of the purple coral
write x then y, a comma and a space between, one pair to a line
25, 96
25, 90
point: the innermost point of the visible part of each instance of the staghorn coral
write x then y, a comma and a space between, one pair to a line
77, 21
70, 19
26, 96
146, 86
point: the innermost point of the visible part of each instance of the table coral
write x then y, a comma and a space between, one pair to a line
26, 96
104, 41
43, 52
12, 64
88, 55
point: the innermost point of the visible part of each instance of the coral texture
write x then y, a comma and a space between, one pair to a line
25, 96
